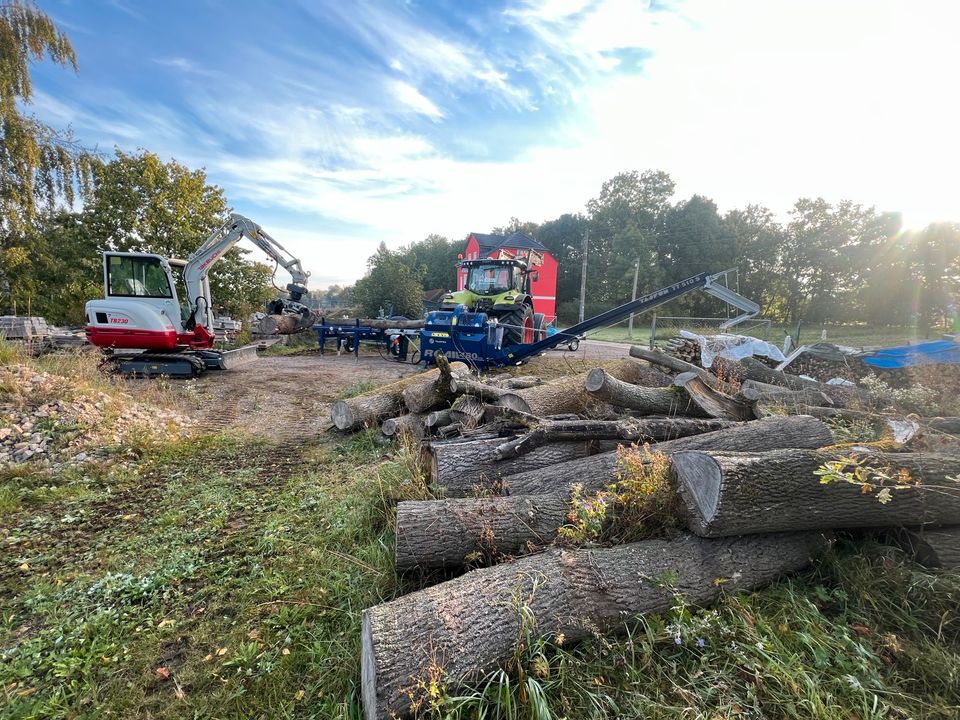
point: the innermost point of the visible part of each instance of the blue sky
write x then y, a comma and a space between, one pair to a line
336, 125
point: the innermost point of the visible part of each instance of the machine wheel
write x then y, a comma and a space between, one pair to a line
539, 327
574, 345
518, 326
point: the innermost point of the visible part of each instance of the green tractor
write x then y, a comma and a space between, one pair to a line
501, 289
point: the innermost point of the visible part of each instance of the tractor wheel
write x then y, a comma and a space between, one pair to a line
539, 327
518, 326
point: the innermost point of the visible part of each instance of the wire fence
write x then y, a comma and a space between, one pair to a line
664, 327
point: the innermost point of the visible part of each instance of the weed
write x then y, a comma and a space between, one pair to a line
915, 399
358, 388
855, 431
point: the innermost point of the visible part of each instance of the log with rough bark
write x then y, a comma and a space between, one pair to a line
774, 394
468, 411
779, 490
645, 400
433, 393
567, 395
388, 324
462, 469
662, 359
637, 430
437, 418
932, 548
783, 431
752, 369
288, 324
481, 390
370, 408
712, 402
520, 383
411, 423
948, 425
453, 532
457, 631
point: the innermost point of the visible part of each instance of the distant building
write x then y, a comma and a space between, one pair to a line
520, 246
431, 299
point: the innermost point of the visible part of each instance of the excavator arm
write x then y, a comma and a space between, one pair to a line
197, 268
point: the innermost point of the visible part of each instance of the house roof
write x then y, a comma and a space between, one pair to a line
520, 241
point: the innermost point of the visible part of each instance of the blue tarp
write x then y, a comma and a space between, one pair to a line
935, 352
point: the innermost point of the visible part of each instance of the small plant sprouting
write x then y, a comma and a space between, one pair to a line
856, 471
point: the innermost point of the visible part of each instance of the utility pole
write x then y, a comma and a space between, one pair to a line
583, 273
636, 277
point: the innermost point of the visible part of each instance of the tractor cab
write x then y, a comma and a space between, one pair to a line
500, 288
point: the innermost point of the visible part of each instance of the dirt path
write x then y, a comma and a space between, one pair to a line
283, 398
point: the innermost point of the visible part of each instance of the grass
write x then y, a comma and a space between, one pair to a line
218, 578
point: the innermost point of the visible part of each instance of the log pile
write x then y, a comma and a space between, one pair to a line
756, 482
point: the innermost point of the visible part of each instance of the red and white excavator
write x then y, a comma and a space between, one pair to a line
142, 324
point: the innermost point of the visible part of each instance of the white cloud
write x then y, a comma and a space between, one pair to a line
409, 96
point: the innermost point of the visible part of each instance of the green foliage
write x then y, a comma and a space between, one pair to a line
39, 166
866, 475
434, 260
390, 286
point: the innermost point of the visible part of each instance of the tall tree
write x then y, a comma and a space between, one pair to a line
145, 204
390, 286
756, 239
38, 164
434, 259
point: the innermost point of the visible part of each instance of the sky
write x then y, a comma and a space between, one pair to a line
338, 125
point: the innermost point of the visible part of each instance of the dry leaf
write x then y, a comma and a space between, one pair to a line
300, 694
285, 651
208, 657
24, 567
162, 673
222, 651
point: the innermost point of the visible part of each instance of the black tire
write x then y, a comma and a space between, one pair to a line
514, 322
539, 327
574, 345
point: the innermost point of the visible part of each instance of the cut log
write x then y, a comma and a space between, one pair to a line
459, 630
288, 324
756, 371
369, 409
520, 383
938, 548
646, 430
389, 324
778, 490
567, 395
775, 432
433, 393
450, 533
462, 469
712, 402
471, 386
761, 392
450, 430
948, 425
644, 400
411, 424
670, 362
437, 418
468, 411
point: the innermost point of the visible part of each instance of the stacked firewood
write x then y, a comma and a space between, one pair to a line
506, 459
684, 348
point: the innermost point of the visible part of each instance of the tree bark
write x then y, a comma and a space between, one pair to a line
712, 402
761, 392
647, 401
778, 491
948, 425
451, 533
629, 429
482, 390
775, 432
658, 357
457, 631
437, 418
388, 324
462, 469
433, 393
468, 410
756, 371
567, 395
411, 423
938, 548
520, 383
370, 408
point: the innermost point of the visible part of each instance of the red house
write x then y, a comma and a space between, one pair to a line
521, 246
